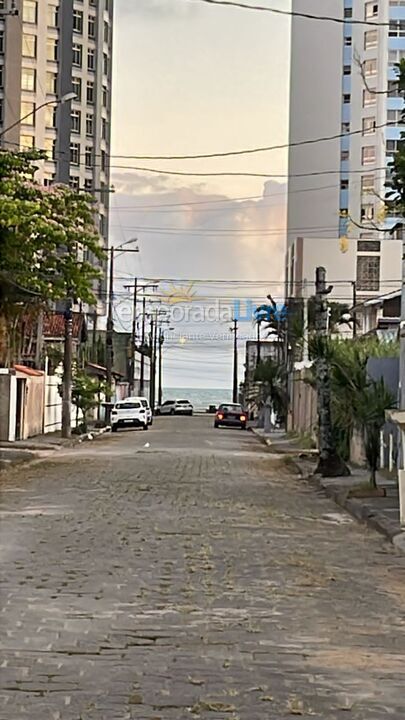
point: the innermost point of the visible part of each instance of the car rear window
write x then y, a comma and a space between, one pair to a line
231, 408
183, 402
128, 406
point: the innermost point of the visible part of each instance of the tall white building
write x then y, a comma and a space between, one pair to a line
343, 82
52, 48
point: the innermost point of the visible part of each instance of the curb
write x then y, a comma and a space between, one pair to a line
361, 511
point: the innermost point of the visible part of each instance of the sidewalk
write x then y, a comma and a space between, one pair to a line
379, 513
20, 451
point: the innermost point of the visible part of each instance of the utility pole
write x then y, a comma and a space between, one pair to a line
155, 335
110, 335
354, 288
234, 329
161, 341
67, 373
258, 360
133, 339
330, 464
305, 349
142, 380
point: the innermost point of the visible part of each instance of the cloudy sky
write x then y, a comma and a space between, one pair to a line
192, 78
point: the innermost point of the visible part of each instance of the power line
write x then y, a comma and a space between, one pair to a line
251, 151
292, 13
268, 176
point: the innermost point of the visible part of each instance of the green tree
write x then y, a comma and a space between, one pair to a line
85, 392
272, 377
48, 242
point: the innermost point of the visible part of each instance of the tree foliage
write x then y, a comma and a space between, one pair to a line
85, 391
272, 375
48, 242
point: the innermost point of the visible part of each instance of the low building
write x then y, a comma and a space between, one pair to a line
381, 316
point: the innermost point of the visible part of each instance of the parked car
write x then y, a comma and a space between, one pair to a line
175, 407
145, 403
127, 413
230, 415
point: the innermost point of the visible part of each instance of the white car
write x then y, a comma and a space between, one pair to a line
145, 403
175, 407
127, 413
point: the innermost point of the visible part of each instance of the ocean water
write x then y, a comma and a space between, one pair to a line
200, 398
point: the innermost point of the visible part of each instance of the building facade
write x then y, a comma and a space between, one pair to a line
343, 88
50, 49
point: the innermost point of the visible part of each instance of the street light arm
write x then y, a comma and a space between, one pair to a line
61, 101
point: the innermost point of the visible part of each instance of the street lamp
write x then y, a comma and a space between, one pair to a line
59, 101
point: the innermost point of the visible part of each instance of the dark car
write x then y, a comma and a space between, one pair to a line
230, 415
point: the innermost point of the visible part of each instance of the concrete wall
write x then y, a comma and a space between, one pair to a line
34, 407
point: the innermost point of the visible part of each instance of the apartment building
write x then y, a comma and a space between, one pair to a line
343, 82
53, 48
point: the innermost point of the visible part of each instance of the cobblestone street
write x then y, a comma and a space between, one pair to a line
186, 573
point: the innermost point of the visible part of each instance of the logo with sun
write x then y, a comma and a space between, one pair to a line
177, 294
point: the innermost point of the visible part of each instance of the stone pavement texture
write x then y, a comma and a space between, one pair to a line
187, 573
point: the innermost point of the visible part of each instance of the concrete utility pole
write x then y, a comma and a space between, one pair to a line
161, 341
330, 464
67, 373
133, 339
234, 329
259, 343
110, 334
305, 349
142, 379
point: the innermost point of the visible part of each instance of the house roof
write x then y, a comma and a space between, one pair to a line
28, 371
54, 325
382, 298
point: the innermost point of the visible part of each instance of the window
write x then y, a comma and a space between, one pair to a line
367, 212
90, 93
89, 124
77, 55
397, 28
345, 127
391, 146
367, 184
88, 184
344, 184
348, 41
368, 155
369, 98
29, 46
74, 182
48, 180
76, 120
346, 98
1, 110
30, 11
50, 116
52, 16
103, 160
88, 157
394, 117
27, 112
106, 33
1, 76
370, 39
104, 129
1, 41
51, 49
105, 64
370, 10
78, 21
75, 153
368, 273
92, 26
105, 97
91, 59
393, 88
28, 79
347, 69
26, 142
51, 83
368, 246
348, 13
344, 155
368, 126
77, 87
50, 147
370, 67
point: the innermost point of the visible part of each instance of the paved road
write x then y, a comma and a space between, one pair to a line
193, 578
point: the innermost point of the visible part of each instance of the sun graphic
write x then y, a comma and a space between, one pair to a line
179, 294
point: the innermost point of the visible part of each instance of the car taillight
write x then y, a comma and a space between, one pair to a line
220, 416
243, 418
